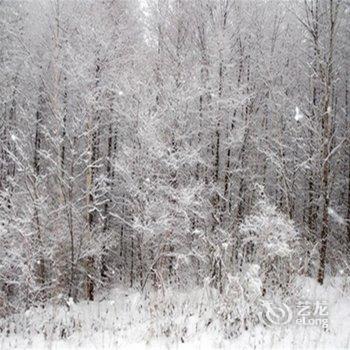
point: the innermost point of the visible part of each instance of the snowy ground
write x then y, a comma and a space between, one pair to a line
182, 321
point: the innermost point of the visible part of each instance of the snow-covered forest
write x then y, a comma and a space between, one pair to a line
176, 162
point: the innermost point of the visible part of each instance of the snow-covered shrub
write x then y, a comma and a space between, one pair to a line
240, 300
270, 240
233, 310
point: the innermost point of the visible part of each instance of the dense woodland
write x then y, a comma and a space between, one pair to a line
171, 144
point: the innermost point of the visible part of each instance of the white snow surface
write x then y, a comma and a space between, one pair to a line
298, 115
182, 321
